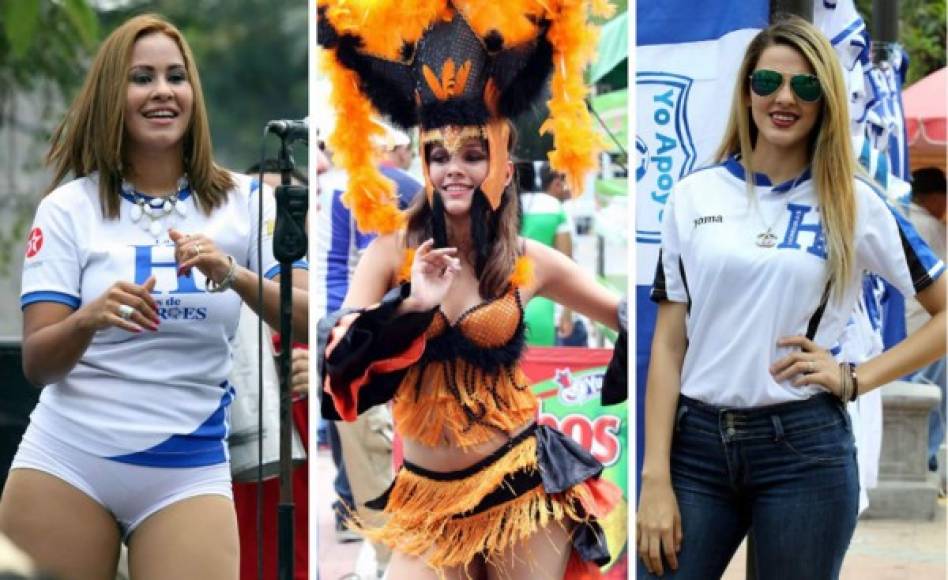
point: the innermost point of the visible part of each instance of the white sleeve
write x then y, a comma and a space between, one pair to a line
52, 266
669, 282
887, 244
267, 265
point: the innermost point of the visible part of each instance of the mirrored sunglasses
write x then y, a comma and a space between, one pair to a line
766, 82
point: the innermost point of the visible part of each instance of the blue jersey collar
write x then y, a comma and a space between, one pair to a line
733, 165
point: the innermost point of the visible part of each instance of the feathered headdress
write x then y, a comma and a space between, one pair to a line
456, 68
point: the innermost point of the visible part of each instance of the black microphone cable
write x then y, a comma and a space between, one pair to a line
260, 184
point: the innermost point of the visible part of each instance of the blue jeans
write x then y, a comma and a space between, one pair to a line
784, 473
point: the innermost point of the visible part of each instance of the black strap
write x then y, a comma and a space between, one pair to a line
814, 323
684, 282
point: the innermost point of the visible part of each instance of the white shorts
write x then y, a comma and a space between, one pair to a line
129, 492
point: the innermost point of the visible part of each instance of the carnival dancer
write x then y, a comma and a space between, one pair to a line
483, 490
132, 284
761, 265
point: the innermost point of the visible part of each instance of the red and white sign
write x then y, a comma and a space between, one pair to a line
34, 243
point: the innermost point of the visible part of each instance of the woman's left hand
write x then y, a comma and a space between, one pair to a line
198, 250
811, 365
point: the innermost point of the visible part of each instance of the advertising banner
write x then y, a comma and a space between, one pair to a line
568, 382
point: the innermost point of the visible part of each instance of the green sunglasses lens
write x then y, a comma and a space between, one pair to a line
765, 82
807, 87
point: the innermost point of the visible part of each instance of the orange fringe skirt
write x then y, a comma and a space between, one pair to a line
537, 478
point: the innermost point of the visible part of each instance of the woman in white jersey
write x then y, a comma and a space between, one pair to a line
132, 283
746, 429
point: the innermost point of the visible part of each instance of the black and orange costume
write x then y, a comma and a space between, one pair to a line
459, 69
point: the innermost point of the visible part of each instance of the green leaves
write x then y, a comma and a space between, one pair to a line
20, 19
25, 23
83, 19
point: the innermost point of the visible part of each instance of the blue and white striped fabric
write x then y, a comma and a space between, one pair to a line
338, 243
886, 118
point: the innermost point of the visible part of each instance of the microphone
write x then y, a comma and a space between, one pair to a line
289, 130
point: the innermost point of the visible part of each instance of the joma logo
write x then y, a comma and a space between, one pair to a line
709, 219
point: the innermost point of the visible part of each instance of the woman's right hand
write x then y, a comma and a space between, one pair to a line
432, 272
124, 305
659, 526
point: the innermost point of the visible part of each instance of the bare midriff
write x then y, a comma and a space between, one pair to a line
450, 457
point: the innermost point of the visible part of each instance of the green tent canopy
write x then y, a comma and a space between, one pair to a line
612, 55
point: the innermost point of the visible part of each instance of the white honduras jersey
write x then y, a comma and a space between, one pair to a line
155, 398
742, 298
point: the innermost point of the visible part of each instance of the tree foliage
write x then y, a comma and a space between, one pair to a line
252, 57
44, 47
43, 41
921, 33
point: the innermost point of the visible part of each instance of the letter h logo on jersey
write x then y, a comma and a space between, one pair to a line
796, 226
146, 264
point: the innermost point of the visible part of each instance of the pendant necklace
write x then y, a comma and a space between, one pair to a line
155, 214
767, 238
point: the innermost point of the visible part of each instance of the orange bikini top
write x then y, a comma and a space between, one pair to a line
467, 386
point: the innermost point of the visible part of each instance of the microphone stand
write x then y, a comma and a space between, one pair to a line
289, 245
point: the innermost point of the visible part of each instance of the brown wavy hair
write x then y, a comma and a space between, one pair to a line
505, 247
91, 137
830, 147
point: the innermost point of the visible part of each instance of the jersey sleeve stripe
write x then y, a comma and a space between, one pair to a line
924, 266
49, 296
684, 281
659, 289
922, 277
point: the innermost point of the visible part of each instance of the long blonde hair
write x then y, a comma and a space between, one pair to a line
831, 155
92, 134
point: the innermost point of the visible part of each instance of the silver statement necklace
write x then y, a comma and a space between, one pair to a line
156, 214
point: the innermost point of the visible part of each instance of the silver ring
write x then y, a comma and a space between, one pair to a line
196, 249
811, 367
125, 311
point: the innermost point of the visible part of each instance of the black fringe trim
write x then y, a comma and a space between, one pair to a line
452, 345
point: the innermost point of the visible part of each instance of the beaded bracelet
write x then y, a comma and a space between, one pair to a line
844, 382
226, 281
849, 382
853, 381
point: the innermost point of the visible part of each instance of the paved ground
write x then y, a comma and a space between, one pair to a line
881, 549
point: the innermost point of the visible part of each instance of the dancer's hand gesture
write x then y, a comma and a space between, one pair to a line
432, 272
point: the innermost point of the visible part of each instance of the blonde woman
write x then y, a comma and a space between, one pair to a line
132, 283
746, 427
